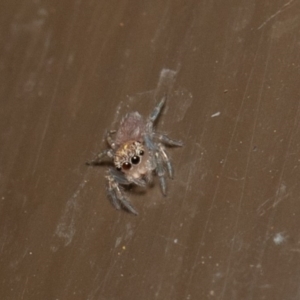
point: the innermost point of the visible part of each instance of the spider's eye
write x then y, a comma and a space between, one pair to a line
118, 168
126, 166
142, 152
135, 160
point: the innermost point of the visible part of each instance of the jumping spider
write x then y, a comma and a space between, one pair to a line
137, 151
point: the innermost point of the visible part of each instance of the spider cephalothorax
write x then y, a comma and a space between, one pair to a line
128, 154
138, 151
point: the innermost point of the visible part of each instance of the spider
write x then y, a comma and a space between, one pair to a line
138, 152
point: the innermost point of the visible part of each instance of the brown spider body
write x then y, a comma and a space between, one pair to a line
138, 151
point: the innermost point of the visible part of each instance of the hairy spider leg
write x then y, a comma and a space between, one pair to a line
99, 158
121, 179
149, 125
115, 193
160, 172
137, 181
149, 142
156, 111
168, 141
152, 161
109, 139
112, 196
165, 159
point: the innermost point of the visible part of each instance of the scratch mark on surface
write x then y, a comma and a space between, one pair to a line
260, 210
281, 194
161, 27
45, 128
66, 225
58, 81
215, 114
282, 9
233, 243
272, 215
16, 262
23, 292
185, 99
236, 179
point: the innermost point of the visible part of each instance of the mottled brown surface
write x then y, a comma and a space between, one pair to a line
230, 226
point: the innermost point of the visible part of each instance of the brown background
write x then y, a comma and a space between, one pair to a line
230, 226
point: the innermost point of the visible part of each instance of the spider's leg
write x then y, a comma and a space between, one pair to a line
160, 173
149, 175
109, 139
112, 195
168, 141
121, 179
99, 158
157, 109
165, 159
152, 161
149, 142
139, 182
115, 191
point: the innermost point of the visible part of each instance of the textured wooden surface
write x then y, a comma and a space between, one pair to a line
229, 228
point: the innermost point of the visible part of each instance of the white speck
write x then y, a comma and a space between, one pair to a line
279, 238
175, 241
216, 114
